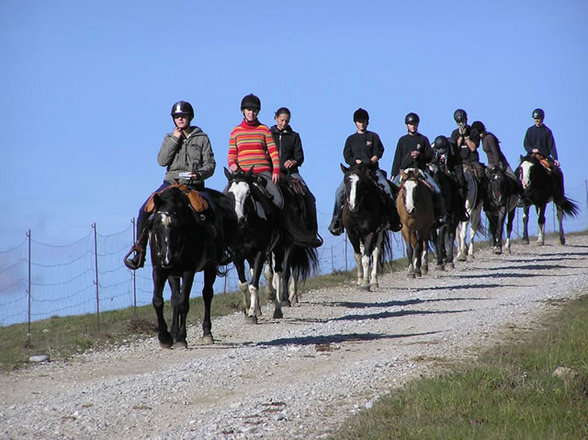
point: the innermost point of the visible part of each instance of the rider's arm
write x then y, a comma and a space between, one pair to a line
169, 148
208, 163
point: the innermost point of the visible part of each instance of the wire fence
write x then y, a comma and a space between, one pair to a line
39, 280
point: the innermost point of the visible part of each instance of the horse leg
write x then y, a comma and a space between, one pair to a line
525, 238
474, 223
270, 279
165, 339
285, 277
255, 308
181, 305
293, 288
207, 294
375, 258
418, 250
541, 222
509, 223
243, 284
365, 263
359, 268
439, 239
461, 241
425, 257
449, 241
562, 238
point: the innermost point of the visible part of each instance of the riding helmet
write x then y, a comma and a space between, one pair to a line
251, 101
182, 108
479, 126
361, 115
460, 116
538, 113
412, 118
441, 143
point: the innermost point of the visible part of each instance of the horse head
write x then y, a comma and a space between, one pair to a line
496, 185
410, 190
172, 223
359, 180
526, 169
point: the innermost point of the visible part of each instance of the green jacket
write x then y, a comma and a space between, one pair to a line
191, 154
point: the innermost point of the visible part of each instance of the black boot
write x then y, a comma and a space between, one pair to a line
440, 211
336, 226
139, 248
393, 217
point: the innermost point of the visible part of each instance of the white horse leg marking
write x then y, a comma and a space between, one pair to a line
375, 258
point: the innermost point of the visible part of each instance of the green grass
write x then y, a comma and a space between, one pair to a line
510, 392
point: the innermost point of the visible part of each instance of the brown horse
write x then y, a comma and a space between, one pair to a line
416, 211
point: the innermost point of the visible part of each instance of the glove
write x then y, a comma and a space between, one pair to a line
461, 129
466, 131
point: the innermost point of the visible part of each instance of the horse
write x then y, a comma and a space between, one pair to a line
417, 215
255, 237
182, 242
366, 220
474, 202
444, 235
294, 257
538, 190
500, 200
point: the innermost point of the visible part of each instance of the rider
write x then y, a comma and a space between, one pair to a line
251, 145
539, 139
187, 154
445, 153
414, 151
291, 157
467, 140
490, 145
363, 147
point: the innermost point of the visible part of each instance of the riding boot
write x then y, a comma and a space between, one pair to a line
224, 254
336, 226
311, 221
462, 212
393, 218
139, 247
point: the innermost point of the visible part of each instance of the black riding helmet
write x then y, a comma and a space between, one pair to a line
361, 115
250, 101
182, 108
412, 118
441, 143
460, 116
538, 113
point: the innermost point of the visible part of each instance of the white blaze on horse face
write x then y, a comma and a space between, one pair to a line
409, 188
354, 179
526, 173
240, 191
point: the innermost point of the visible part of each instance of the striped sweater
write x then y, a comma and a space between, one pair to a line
252, 145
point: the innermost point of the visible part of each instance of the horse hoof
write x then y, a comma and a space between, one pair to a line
439, 267
286, 303
251, 319
165, 344
461, 257
451, 265
181, 344
525, 241
206, 340
497, 251
278, 314
562, 241
374, 287
365, 288
165, 340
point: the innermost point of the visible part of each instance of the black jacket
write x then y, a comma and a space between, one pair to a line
407, 144
289, 147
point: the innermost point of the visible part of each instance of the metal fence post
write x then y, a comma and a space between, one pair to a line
96, 277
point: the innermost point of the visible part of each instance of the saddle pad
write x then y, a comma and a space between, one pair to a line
196, 200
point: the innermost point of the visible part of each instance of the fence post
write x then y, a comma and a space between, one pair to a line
96, 277
133, 272
29, 292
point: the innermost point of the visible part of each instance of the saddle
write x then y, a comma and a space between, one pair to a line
544, 162
196, 200
476, 168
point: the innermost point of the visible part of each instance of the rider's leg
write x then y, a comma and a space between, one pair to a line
336, 226
140, 246
390, 198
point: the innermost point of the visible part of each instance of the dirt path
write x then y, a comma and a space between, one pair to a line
299, 377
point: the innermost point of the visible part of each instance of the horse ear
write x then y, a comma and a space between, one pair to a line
343, 168
227, 173
249, 173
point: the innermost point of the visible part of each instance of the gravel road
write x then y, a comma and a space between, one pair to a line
299, 377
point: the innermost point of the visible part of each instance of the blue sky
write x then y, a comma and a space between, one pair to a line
87, 89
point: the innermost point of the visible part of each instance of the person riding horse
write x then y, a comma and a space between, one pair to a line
467, 140
188, 156
364, 146
291, 158
496, 159
414, 151
539, 140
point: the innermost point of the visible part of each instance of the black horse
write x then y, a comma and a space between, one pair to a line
366, 219
294, 257
183, 241
539, 186
255, 236
500, 201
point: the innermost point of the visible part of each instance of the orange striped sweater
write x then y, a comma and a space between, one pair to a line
252, 145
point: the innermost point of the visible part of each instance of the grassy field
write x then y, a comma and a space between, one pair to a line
531, 386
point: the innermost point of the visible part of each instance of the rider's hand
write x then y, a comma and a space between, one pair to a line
375, 159
234, 167
414, 154
275, 177
556, 162
177, 133
289, 163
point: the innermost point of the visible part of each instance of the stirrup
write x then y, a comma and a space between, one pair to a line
137, 261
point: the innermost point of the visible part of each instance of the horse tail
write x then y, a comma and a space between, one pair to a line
305, 261
569, 207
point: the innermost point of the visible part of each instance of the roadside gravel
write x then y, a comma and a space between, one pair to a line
300, 377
